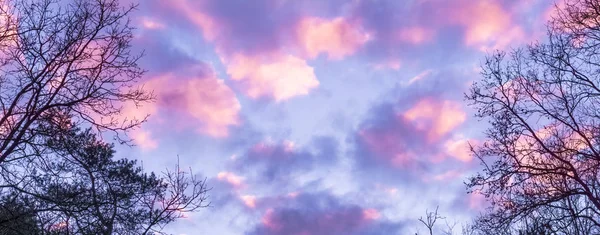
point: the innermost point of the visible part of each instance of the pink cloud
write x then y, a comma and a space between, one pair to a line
207, 24
416, 35
231, 178
394, 64
280, 77
249, 200
459, 149
382, 143
411, 139
269, 74
268, 148
551, 11
420, 76
444, 116
150, 23
274, 65
208, 101
293, 194
388, 148
446, 176
144, 139
371, 214
268, 220
488, 25
477, 201
337, 37
139, 111
279, 72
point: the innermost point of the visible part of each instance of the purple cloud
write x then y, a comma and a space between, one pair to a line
322, 213
276, 163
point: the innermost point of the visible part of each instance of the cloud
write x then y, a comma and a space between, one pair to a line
337, 37
390, 140
160, 55
280, 77
149, 23
415, 134
265, 45
210, 104
267, 171
403, 31
484, 21
144, 139
416, 35
249, 38
231, 178
420, 76
438, 118
277, 163
459, 148
403, 139
322, 213
247, 27
249, 200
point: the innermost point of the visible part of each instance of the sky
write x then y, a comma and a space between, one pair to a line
320, 117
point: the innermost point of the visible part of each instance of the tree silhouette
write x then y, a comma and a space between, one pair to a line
430, 218
78, 188
16, 217
541, 159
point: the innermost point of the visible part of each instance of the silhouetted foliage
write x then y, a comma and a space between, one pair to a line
77, 186
16, 217
68, 55
541, 159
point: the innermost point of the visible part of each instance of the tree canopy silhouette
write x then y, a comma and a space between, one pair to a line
78, 187
541, 158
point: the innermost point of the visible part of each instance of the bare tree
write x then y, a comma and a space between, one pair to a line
430, 219
69, 55
541, 159
449, 227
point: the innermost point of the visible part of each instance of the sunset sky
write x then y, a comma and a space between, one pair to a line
320, 116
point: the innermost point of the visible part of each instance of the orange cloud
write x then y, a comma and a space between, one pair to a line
444, 116
338, 37
278, 76
208, 100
